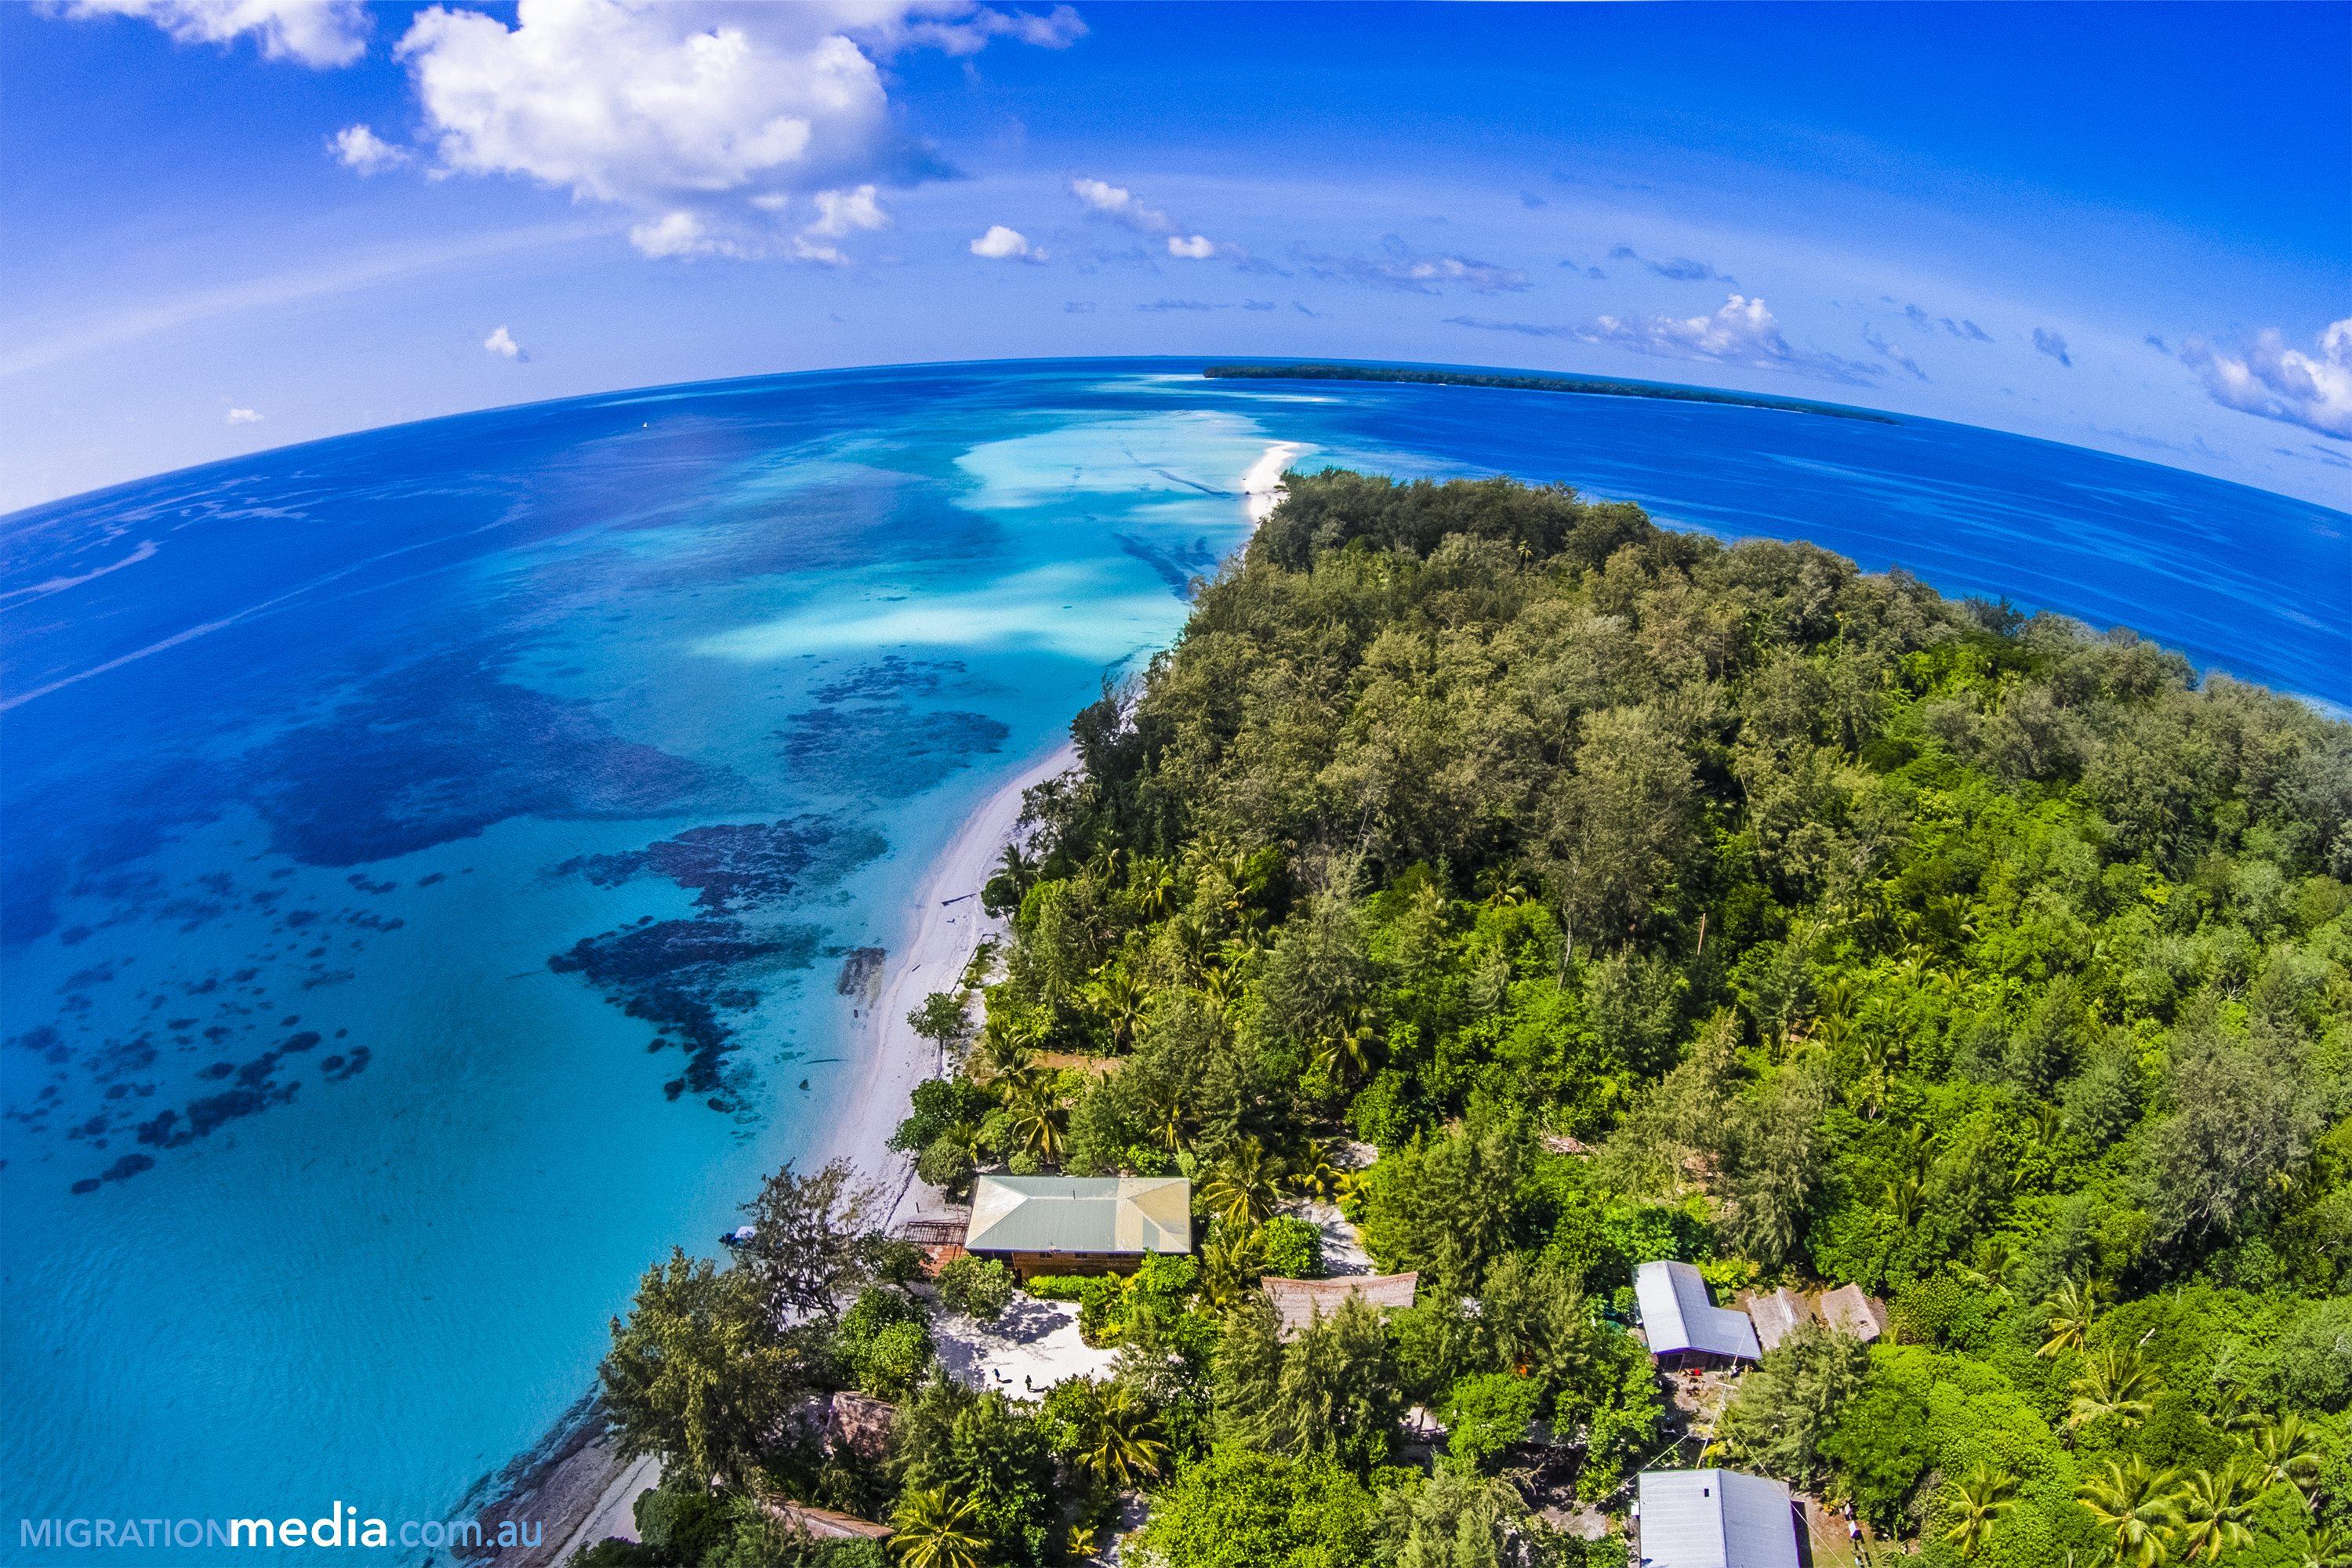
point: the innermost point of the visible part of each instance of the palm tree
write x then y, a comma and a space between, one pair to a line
1018, 869
1902, 1190
2285, 1450
1124, 999
1231, 1261
1241, 1190
931, 1532
2134, 1505
2114, 1382
1002, 1053
1315, 1179
1981, 1498
1154, 884
2072, 1312
1036, 1112
1345, 1049
1168, 1121
2214, 1509
2330, 1547
1991, 1262
1115, 1445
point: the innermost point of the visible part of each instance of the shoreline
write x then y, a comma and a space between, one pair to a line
572, 1479
939, 938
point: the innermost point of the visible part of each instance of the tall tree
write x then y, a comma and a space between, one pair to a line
810, 1237
698, 1375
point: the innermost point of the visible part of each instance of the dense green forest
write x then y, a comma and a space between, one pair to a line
1638, 896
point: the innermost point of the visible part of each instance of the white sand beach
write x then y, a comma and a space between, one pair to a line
938, 939
1262, 486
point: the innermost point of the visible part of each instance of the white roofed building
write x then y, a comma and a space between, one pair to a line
1684, 1326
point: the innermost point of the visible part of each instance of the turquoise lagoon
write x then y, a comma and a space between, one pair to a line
429, 853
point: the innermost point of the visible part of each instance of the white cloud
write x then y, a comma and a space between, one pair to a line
315, 32
1893, 352
970, 32
2280, 383
683, 233
1411, 274
1003, 244
708, 120
1743, 332
1125, 209
358, 147
244, 416
839, 211
502, 343
1122, 206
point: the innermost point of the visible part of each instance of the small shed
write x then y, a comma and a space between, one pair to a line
1683, 1324
1776, 1313
1851, 1311
1299, 1300
1078, 1224
1715, 1519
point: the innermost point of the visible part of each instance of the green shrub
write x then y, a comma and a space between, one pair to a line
679, 1526
979, 1286
1057, 1286
1242, 1509
1293, 1248
1485, 1414
884, 1343
614, 1552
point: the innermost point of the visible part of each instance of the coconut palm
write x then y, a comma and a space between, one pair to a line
931, 1532
1123, 1000
1116, 1441
1154, 885
2114, 1382
2330, 1547
1167, 1120
2135, 1507
1005, 1052
1231, 1260
1345, 1050
2285, 1450
2214, 1509
1902, 1197
2072, 1312
1018, 869
1037, 1113
1241, 1189
1979, 1502
1315, 1178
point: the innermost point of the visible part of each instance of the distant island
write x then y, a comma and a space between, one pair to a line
1522, 1013
1533, 383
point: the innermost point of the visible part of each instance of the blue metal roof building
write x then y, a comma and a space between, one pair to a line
1715, 1519
1679, 1319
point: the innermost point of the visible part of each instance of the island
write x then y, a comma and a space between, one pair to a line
1587, 384
1532, 1037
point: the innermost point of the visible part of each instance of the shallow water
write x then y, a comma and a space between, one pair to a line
483, 749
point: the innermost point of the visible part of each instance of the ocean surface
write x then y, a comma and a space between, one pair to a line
429, 854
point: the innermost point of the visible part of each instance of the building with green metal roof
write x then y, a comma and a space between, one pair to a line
1078, 1224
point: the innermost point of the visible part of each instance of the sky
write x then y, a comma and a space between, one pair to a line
234, 225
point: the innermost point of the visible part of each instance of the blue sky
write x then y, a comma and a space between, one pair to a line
236, 223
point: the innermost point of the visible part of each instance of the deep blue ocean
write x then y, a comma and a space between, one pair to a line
428, 853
